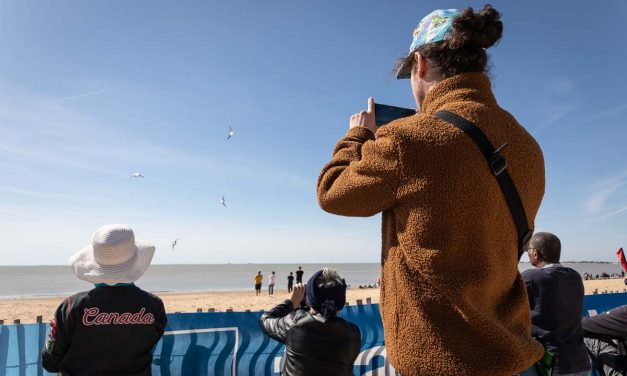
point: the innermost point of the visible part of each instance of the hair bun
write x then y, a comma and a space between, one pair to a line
482, 29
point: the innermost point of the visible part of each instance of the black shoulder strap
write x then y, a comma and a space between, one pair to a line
498, 165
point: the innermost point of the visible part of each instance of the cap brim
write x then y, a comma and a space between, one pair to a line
404, 71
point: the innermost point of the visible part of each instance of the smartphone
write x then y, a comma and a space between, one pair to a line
384, 114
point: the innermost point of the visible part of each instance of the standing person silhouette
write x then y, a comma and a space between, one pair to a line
258, 280
290, 282
271, 279
299, 275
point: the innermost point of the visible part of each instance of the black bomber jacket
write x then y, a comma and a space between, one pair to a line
105, 331
314, 345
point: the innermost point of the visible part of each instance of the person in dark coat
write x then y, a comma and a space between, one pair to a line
112, 328
317, 342
556, 301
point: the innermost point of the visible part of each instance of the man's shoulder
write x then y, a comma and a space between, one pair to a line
559, 270
531, 273
421, 128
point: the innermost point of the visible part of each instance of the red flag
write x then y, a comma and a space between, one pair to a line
621, 257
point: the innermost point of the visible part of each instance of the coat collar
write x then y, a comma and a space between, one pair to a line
463, 87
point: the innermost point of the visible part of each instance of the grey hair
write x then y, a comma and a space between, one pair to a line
547, 245
329, 278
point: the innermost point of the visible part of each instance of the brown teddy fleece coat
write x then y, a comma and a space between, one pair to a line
452, 299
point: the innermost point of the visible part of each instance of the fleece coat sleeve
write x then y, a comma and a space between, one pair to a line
362, 178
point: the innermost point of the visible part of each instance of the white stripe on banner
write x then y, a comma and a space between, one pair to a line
592, 312
210, 330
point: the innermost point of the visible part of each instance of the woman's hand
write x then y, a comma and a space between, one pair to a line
365, 119
298, 293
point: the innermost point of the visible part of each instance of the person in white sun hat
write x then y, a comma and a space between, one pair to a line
112, 328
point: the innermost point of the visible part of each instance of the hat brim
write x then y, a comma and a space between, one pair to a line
404, 72
86, 268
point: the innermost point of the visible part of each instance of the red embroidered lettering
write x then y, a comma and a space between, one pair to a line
101, 319
87, 313
93, 316
148, 319
114, 318
136, 317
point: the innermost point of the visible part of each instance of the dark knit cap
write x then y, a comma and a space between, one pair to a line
325, 300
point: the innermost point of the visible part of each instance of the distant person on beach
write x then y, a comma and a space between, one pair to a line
271, 279
112, 328
556, 302
605, 336
317, 342
450, 244
299, 275
258, 279
290, 282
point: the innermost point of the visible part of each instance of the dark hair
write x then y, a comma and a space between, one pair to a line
548, 246
465, 50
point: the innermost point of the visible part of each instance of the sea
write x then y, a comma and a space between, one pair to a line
40, 281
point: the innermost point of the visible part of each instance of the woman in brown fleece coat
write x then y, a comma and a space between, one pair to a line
452, 299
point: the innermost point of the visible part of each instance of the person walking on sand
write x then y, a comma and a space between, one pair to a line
299, 275
290, 282
112, 328
271, 279
451, 243
258, 279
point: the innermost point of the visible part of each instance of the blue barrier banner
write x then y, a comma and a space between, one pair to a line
228, 344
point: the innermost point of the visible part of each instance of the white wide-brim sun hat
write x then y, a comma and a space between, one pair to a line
114, 256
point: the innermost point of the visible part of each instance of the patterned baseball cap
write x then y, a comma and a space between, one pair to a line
434, 27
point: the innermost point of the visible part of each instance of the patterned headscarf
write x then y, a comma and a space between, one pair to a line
434, 27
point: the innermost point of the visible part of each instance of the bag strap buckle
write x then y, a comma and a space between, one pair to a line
498, 163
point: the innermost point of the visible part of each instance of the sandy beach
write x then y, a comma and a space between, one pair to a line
28, 309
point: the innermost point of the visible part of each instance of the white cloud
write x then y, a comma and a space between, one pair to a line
92, 93
611, 213
603, 191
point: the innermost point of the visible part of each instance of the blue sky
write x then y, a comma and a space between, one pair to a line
92, 91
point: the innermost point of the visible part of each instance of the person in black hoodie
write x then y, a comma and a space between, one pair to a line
112, 328
317, 342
